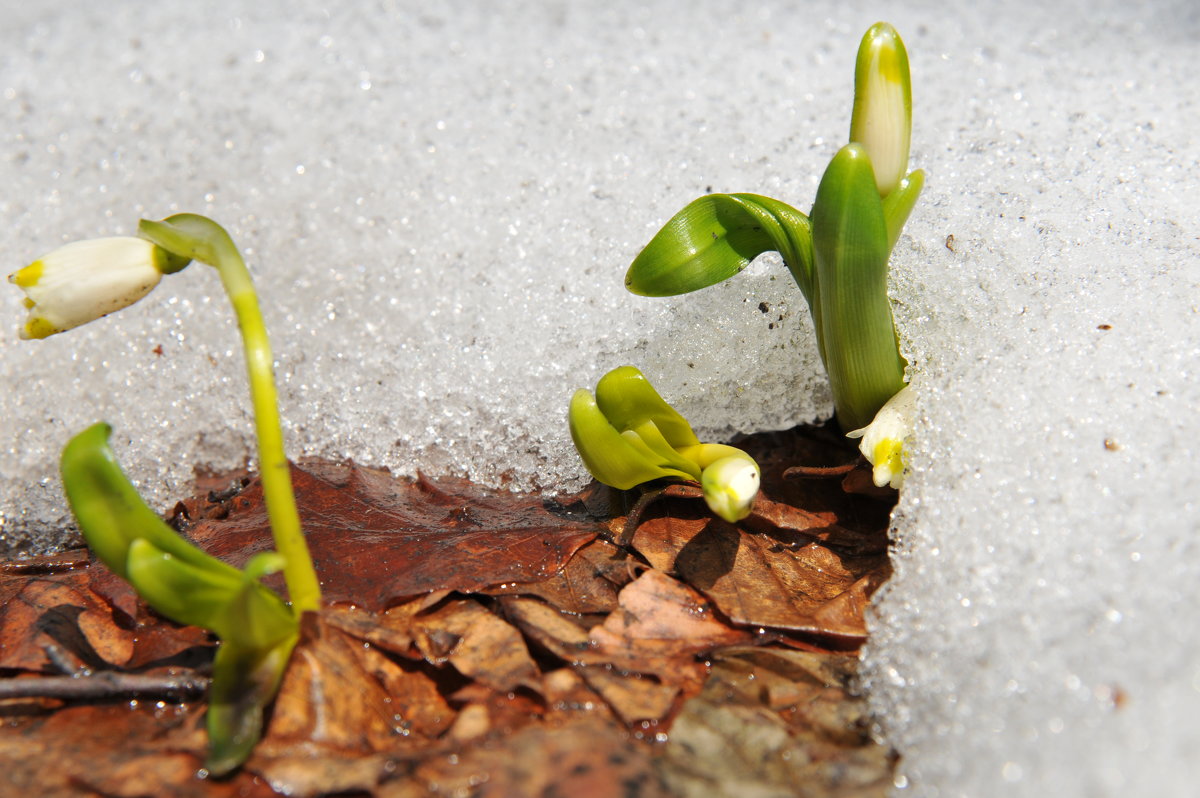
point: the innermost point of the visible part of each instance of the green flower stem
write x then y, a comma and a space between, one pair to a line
705, 454
200, 238
298, 569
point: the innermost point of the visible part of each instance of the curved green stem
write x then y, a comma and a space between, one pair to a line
204, 240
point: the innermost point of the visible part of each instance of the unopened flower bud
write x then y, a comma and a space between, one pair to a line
882, 117
83, 281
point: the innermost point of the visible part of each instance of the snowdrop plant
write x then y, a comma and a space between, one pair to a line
628, 435
83, 281
838, 254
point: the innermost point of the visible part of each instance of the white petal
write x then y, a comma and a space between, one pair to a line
83, 281
883, 439
730, 486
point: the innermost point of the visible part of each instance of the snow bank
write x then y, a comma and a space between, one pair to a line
439, 203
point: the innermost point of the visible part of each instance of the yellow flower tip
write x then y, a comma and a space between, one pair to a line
23, 278
730, 486
889, 463
884, 438
83, 281
882, 117
37, 328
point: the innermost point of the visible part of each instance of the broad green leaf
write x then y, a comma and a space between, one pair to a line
609, 456
850, 245
648, 433
626, 398
715, 237
237, 608
110, 513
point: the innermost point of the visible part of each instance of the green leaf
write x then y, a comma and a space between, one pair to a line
245, 679
238, 608
647, 433
626, 398
717, 236
899, 204
622, 461
850, 245
110, 513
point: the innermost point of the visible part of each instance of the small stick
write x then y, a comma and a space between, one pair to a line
104, 685
65, 561
819, 472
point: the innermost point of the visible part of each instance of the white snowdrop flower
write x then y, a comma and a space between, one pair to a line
882, 117
83, 281
883, 439
730, 485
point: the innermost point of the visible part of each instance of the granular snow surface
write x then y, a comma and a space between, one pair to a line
438, 203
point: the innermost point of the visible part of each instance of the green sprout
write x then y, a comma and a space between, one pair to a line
83, 281
838, 255
627, 435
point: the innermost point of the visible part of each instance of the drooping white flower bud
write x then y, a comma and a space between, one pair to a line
883, 439
729, 486
882, 117
83, 281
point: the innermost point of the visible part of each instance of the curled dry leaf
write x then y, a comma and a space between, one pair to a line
757, 581
478, 643
659, 628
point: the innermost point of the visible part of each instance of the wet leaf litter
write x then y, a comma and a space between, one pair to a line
476, 642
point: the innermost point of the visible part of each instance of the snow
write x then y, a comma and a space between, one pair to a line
438, 204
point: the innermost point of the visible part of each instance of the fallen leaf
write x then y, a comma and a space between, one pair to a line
588, 583
376, 539
583, 759
757, 581
633, 696
659, 628
727, 742
485, 644
478, 643
59, 611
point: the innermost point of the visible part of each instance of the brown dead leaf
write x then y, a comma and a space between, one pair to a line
129, 749
633, 696
376, 539
478, 643
584, 759
391, 631
488, 644
331, 698
588, 583
796, 511
788, 523
60, 611
552, 629
659, 628
757, 581
727, 741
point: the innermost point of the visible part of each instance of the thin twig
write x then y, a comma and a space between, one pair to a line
819, 472
104, 685
58, 563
